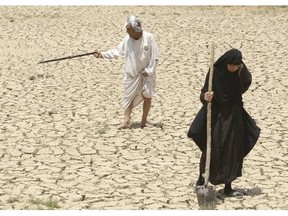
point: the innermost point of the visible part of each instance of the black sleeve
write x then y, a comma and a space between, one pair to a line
205, 88
245, 79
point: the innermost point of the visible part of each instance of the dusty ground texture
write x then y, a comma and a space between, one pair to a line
59, 146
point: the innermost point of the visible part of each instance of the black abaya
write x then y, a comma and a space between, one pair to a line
234, 132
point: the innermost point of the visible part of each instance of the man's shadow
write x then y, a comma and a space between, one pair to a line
136, 125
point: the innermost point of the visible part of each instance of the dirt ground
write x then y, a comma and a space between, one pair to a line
59, 145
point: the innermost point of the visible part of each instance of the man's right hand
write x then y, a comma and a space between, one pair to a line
97, 54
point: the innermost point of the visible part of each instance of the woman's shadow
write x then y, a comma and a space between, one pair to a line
239, 193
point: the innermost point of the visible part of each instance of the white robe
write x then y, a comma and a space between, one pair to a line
140, 55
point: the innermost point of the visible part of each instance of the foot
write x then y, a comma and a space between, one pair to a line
123, 126
233, 193
146, 124
200, 182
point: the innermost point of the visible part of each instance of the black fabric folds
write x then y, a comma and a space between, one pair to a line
234, 132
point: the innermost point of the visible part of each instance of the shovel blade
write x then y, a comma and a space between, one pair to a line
206, 197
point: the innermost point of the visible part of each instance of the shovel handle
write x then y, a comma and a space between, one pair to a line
209, 105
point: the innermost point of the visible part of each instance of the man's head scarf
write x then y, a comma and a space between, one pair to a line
135, 23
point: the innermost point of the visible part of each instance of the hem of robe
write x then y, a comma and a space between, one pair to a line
137, 100
137, 87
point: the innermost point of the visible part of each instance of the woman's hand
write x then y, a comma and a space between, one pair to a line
208, 96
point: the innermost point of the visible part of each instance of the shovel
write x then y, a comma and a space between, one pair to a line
206, 195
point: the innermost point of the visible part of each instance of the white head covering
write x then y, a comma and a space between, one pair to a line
135, 23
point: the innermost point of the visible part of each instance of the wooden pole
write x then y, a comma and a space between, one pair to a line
209, 105
206, 195
67, 57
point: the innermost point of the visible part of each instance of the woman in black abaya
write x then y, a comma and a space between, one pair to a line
234, 132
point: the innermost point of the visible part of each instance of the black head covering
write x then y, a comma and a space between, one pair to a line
226, 84
232, 56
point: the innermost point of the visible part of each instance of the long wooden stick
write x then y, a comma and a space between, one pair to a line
208, 149
67, 57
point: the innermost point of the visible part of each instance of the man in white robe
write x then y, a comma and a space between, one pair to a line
141, 54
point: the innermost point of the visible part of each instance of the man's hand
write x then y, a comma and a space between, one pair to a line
208, 96
97, 54
144, 73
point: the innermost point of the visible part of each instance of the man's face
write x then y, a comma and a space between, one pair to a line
130, 31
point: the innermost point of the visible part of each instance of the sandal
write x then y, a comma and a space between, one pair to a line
234, 193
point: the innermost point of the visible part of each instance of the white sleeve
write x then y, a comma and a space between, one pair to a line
116, 52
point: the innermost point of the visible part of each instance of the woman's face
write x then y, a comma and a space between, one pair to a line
232, 68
